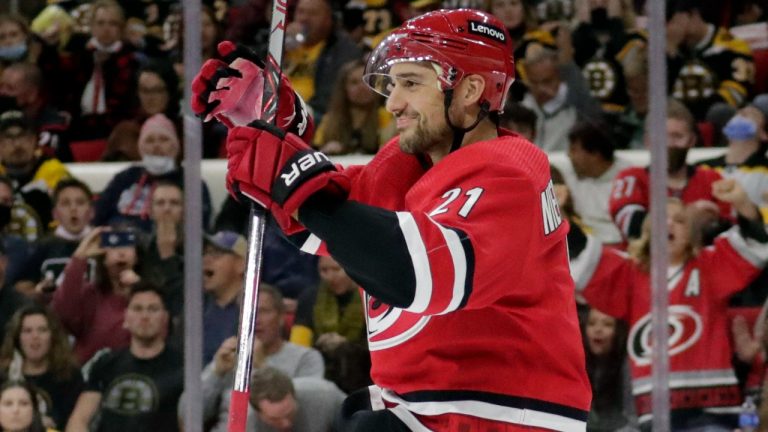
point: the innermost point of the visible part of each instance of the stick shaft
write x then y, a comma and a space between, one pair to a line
238, 410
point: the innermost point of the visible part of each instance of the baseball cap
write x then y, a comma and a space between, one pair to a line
14, 118
228, 241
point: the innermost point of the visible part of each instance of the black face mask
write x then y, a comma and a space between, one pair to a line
676, 159
5, 216
8, 103
599, 17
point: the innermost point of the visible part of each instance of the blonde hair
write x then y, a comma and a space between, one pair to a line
640, 249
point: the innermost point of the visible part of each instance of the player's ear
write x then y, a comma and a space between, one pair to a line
471, 89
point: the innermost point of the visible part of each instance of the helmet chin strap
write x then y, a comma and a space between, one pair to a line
458, 132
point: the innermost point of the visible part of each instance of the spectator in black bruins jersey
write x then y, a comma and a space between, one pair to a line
746, 162
706, 64
598, 38
72, 211
33, 176
745, 159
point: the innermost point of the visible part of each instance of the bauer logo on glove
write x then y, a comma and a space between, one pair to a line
302, 165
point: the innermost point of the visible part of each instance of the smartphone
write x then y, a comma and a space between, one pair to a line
117, 239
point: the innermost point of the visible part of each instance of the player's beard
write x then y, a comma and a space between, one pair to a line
424, 137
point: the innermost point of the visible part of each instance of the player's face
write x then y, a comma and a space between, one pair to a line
510, 12
73, 210
279, 415
269, 321
35, 337
417, 104
679, 232
167, 204
221, 269
332, 273
16, 410
146, 318
600, 331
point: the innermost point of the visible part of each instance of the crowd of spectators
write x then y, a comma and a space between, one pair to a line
92, 280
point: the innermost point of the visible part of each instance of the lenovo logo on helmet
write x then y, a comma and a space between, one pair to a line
482, 29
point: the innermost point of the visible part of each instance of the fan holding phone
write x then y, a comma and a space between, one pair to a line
93, 311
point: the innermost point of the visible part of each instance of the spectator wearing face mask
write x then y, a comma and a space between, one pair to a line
745, 159
746, 162
19, 44
128, 196
97, 79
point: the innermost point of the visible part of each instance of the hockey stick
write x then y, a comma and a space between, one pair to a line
238, 408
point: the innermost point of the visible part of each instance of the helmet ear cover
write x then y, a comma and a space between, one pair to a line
459, 42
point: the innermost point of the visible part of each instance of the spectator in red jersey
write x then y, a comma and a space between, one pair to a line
630, 193
704, 389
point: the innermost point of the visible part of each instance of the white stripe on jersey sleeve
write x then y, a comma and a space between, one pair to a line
624, 217
420, 260
459, 259
749, 249
583, 266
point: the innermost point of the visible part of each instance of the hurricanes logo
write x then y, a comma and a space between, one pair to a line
685, 328
390, 326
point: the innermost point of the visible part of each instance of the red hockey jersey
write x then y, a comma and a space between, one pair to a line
631, 193
487, 334
701, 375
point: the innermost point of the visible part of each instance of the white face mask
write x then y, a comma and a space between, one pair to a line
158, 165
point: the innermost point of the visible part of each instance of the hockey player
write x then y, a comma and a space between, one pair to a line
448, 231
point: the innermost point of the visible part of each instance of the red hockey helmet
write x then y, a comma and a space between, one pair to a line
460, 42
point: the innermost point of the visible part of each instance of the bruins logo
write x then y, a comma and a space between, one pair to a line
390, 326
601, 78
685, 328
132, 394
695, 82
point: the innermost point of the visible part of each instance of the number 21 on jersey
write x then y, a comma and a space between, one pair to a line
467, 203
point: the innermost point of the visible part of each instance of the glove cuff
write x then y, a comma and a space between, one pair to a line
301, 167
